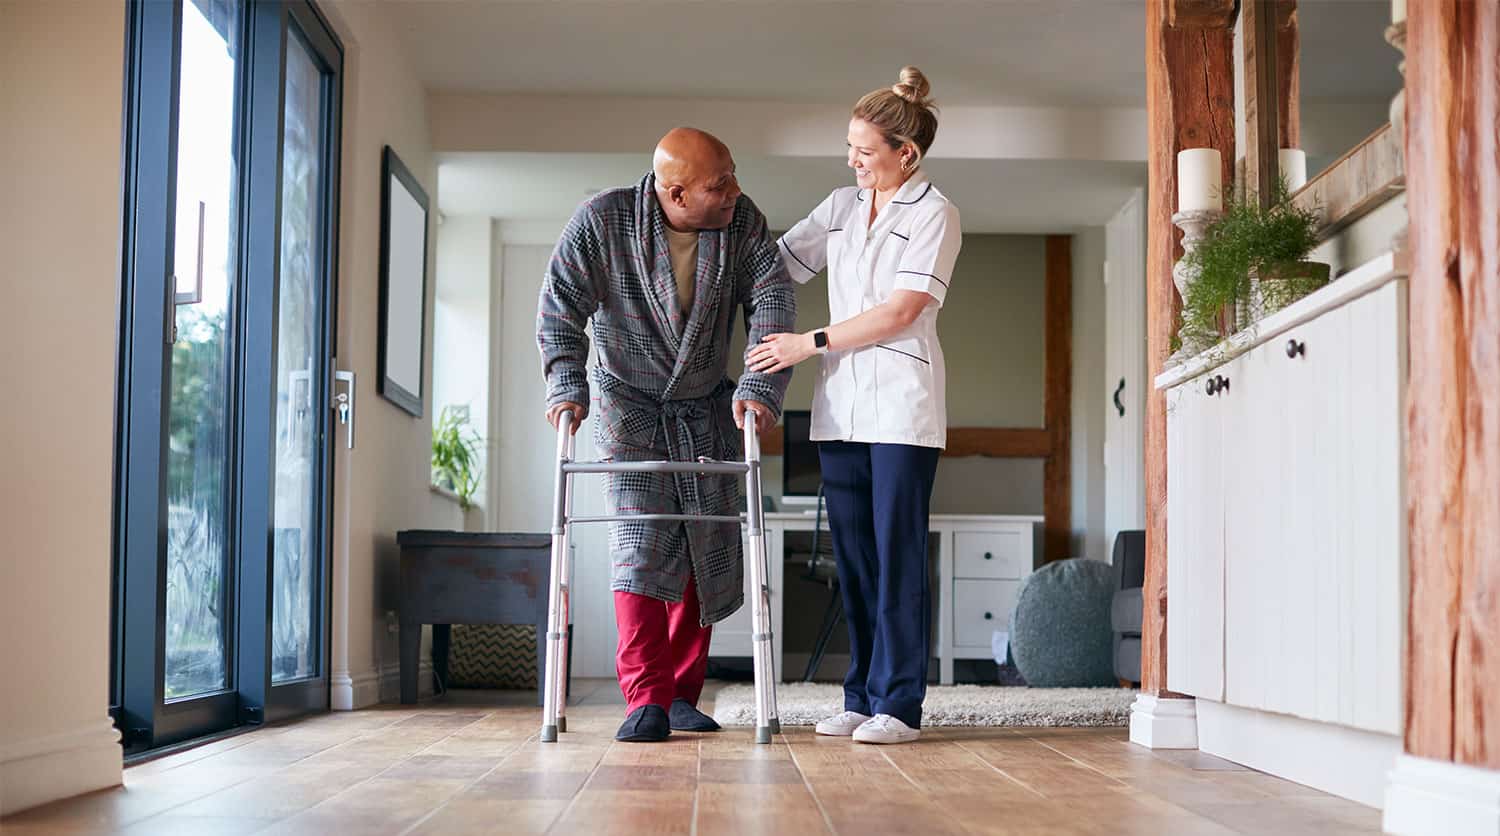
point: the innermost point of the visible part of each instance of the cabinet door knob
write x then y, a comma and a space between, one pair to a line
1213, 387
989, 616
1295, 349
1223, 383
988, 556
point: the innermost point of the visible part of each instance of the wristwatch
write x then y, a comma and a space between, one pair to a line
820, 341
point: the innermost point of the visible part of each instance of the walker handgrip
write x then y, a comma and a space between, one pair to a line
752, 434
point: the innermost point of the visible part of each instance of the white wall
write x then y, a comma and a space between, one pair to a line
60, 126
461, 326
526, 453
1091, 394
383, 483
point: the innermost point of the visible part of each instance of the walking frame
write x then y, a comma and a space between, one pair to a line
554, 701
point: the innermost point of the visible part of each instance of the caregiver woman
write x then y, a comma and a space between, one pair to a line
889, 243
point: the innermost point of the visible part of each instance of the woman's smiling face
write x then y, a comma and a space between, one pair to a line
876, 164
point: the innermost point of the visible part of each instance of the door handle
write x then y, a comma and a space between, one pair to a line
1118, 390
343, 403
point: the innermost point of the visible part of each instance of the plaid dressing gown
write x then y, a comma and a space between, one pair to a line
661, 388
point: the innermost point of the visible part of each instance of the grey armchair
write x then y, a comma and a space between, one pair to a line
1129, 560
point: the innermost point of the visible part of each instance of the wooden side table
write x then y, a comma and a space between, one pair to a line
455, 577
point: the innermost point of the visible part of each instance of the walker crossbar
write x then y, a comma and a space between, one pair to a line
656, 467
554, 700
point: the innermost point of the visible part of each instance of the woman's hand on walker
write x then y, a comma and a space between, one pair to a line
780, 351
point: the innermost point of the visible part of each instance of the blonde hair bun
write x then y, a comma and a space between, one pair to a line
913, 86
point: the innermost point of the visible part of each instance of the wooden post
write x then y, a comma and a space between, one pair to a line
1288, 76
1189, 104
1449, 779
1262, 108
1057, 472
1453, 180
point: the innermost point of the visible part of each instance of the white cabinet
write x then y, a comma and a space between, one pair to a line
1286, 545
1195, 538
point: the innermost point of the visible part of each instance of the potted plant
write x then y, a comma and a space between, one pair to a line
1251, 262
455, 455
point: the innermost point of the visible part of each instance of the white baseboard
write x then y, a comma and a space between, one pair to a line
1429, 796
1347, 762
1162, 723
34, 772
372, 687
353, 692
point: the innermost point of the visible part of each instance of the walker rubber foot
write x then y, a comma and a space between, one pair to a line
562, 725
763, 734
776, 726
549, 734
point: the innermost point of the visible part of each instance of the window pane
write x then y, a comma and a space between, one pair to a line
204, 246
299, 393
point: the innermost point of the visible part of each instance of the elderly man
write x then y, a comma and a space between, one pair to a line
664, 268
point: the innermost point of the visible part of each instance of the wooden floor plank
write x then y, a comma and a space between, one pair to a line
472, 764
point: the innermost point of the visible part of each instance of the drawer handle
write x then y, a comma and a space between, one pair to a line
988, 556
989, 616
1295, 349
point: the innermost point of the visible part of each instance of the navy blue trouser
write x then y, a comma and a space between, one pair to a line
878, 496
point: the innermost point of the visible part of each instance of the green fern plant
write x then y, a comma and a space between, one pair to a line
455, 455
1249, 239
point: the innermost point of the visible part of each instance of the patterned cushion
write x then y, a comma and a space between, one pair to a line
499, 656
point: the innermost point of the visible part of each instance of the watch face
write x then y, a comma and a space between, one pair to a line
820, 339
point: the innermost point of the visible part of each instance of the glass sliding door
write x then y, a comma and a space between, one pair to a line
302, 372
199, 403
231, 176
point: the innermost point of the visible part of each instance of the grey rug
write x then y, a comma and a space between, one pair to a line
805, 703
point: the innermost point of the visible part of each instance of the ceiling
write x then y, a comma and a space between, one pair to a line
997, 52
1066, 53
1000, 52
994, 196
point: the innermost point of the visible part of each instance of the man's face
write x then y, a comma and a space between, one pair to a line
707, 201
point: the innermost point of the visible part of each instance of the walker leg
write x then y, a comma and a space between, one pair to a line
565, 617
766, 722
556, 593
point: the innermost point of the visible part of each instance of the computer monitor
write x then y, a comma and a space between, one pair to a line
801, 474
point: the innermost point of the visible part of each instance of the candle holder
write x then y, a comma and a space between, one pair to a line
1395, 35
1192, 223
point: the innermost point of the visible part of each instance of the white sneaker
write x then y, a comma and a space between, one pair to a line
841, 725
883, 728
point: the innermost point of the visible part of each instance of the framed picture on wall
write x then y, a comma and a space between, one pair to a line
403, 284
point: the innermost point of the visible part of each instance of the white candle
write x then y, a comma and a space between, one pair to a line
1398, 11
1293, 165
1199, 180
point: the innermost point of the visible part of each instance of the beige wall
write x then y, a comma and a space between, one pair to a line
388, 472
62, 66
61, 124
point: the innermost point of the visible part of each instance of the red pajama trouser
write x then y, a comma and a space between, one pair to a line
663, 651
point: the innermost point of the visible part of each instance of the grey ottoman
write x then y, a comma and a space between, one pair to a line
1060, 634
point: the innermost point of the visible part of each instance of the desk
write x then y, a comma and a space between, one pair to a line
982, 560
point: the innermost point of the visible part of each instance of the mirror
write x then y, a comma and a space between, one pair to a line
403, 284
1338, 80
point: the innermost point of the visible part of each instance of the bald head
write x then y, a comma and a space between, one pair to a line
695, 183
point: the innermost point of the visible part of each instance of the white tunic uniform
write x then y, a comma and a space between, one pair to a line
891, 392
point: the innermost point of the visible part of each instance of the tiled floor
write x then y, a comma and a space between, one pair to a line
470, 763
